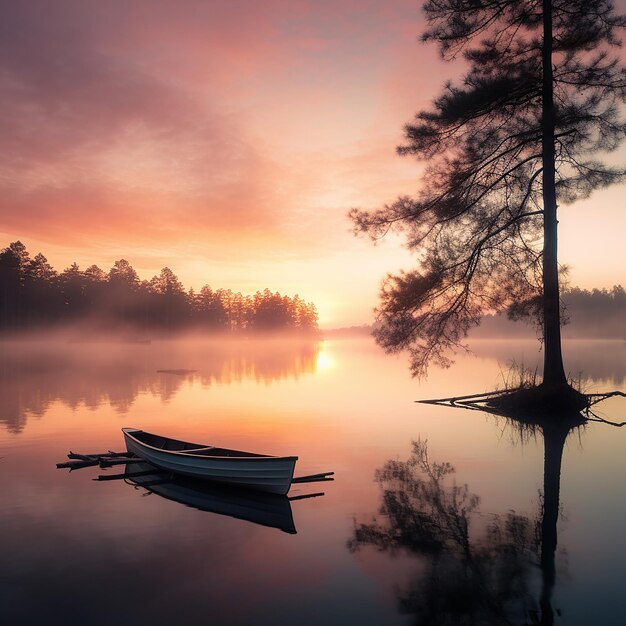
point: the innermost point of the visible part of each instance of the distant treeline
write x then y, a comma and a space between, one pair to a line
595, 314
34, 296
599, 313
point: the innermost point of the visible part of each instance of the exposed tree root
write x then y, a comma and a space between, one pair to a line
535, 405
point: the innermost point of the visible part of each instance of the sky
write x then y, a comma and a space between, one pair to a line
228, 141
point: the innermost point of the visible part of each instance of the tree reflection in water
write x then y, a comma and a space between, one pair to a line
33, 374
470, 577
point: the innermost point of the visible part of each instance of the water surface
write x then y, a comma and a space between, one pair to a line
77, 551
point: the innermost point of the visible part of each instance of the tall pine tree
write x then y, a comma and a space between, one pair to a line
525, 130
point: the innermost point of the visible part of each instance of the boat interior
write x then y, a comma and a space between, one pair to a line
186, 447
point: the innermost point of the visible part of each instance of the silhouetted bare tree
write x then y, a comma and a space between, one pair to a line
540, 98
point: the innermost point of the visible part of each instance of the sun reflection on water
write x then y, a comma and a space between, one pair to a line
324, 361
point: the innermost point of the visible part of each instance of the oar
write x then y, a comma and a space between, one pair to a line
313, 477
305, 496
127, 475
104, 463
73, 465
86, 457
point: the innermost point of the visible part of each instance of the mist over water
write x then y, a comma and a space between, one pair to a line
90, 551
36, 372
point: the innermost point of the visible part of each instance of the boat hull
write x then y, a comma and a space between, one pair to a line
263, 473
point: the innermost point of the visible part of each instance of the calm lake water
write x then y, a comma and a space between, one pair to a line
386, 547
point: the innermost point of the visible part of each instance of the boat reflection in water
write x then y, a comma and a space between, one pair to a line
265, 509
469, 575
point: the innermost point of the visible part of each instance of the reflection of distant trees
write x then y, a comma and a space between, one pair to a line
469, 576
33, 376
592, 314
34, 295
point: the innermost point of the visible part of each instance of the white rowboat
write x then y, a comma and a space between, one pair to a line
233, 467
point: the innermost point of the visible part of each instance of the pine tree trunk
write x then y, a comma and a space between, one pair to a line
554, 441
553, 372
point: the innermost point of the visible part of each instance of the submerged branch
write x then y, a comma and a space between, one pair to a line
456, 399
596, 418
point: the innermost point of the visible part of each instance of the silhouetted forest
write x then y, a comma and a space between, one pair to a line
34, 296
587, 314
599, 313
